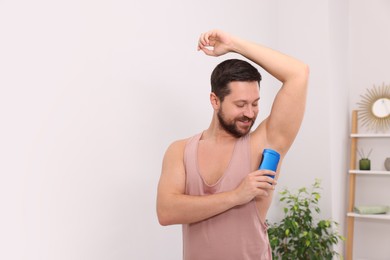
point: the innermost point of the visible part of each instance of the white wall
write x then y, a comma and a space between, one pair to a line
338, 109
92, 93
318, 31
303, 31
368, 65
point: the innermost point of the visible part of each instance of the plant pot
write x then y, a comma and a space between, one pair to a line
387, 164
364, 164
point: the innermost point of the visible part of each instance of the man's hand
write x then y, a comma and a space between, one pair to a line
255, 184
215, 43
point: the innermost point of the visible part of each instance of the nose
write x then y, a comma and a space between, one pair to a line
249, 112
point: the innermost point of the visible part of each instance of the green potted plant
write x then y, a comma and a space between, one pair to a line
298, 235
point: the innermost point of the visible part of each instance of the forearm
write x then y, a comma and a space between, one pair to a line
184, 209
279, 65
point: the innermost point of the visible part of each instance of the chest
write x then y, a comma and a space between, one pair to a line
214, 160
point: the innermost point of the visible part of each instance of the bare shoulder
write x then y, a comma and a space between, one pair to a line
172, 179
174, 157
176, 148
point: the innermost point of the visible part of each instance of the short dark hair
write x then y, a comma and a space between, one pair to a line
229, 71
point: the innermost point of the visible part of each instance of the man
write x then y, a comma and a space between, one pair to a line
210, 182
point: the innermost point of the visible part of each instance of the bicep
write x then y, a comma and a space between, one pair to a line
172, 179
286, 115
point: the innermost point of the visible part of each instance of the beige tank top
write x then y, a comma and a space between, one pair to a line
236, 234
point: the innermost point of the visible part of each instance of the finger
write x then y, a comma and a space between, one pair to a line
203, 41
208, 51
204, 38
264, 173
271, 181
265, 185
266, 180
200, 42
213, 34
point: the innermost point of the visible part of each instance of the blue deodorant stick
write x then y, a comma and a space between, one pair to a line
269, 160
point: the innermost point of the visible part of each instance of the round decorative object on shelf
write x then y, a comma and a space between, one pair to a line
387, 164
374, 108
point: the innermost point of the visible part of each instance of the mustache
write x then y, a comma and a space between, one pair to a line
245, 118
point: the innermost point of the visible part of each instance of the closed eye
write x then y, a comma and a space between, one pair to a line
240, 104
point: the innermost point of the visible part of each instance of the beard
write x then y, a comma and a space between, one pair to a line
232, 127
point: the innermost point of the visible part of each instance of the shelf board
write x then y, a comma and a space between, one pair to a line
371, 135
370, 172
369, 216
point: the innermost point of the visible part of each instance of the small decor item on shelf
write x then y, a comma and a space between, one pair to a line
374, 108
371, 209
364, 162
387, 164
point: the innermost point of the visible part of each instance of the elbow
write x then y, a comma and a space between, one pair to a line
163, 221
164, 217
303, 72
302, 75
165, 211
306, 70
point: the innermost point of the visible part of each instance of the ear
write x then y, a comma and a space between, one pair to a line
214, 100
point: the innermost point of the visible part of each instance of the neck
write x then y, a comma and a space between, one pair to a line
217, 133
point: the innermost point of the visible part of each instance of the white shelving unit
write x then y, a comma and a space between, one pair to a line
369, 172
371, 135
369, 216
353, 173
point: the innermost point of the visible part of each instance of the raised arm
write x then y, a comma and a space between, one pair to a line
286, 116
